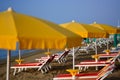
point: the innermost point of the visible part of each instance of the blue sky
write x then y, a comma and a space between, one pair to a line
61, 11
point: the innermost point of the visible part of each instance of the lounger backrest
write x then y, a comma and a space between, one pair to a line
115, 58
45, 62
104, 71
49, 60
64, 54
109, 60
107, 67
104, 74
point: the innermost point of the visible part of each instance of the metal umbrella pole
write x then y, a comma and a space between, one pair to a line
8, 65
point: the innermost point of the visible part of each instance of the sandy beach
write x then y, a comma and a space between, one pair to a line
33, 74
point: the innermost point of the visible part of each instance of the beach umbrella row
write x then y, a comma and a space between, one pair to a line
32, 33
85, 31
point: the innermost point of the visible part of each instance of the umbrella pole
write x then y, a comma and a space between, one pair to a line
96, 53
107, 45
96, 47
73, 59
48, 50
19, 55
8, 65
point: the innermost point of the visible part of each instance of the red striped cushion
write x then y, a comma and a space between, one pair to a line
29, 64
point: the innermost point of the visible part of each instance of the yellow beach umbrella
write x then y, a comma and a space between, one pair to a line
108, 28
32, 33
84, 30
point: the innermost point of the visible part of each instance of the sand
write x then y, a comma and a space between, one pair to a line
33, 74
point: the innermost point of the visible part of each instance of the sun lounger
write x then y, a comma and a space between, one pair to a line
100, 77
99, 61
108, 55
86, 76
113, 58
43, 65
85, 66
61, 58
91, 63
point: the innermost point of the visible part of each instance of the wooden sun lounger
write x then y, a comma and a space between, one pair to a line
85, 65
108, 55
112, 58
43, 66
86, 76
92, 63
116, 55
60, 57
99, 61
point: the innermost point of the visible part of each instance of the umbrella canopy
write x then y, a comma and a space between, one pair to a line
84, 30
33, 33
108, 28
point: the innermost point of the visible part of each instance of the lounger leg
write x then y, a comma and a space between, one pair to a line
50, 66
14, 71
65, 60
22, 69
58, 61
46, 69
42, 71
118, 60
96, 68
19, 70
39, 68
25, 69
85, 68
80, 68
62, 61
